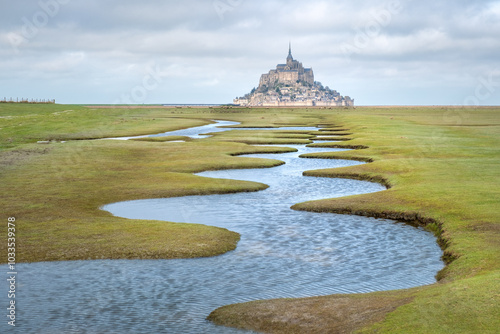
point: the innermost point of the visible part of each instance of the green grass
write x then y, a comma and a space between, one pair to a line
55, 190
55, 193
163, 139
441, 165
254, 137
24, 123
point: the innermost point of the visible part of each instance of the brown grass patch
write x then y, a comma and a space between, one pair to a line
329, 314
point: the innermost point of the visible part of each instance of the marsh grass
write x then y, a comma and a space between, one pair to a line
56, 190
163, 139
24, 123
441, 164
332, 139
56, 194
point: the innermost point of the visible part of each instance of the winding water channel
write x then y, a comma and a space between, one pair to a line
282, 253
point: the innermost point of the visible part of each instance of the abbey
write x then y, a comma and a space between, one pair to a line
288, 73
291, 84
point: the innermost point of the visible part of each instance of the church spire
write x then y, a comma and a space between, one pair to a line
289, 51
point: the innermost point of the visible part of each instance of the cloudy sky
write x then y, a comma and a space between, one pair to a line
390, 52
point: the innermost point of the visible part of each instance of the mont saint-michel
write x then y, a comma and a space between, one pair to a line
291, 84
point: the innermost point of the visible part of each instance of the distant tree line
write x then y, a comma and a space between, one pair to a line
26, 100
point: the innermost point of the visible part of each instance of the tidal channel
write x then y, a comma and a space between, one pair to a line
282, 253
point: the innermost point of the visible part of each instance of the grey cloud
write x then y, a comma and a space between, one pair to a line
198, 46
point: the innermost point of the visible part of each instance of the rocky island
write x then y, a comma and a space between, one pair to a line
291, 84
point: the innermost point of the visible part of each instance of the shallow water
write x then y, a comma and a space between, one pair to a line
282, 253
196, 132
202, 131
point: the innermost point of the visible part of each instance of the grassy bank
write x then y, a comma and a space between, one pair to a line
55, 190
442, 166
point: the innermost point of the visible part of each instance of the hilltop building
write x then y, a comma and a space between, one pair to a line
288, 73
291, 84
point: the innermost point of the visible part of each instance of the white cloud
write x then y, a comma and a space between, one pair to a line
104, 48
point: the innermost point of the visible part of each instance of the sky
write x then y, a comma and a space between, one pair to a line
391, 52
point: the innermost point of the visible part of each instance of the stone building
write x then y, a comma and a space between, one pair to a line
290, 85
288, 73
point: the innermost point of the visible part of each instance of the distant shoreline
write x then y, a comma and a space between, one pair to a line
136, 106
166, 106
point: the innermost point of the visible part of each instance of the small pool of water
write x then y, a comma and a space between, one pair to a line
282, 253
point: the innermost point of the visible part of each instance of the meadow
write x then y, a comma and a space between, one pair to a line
440, 165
